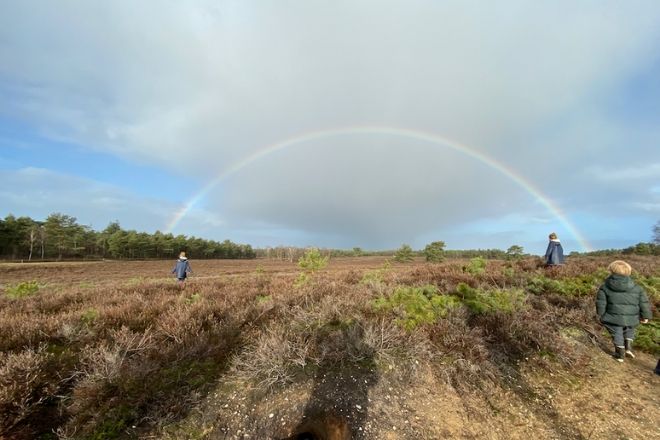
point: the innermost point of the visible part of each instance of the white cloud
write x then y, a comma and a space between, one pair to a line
196, 87
38, 192
617, 173
650, 206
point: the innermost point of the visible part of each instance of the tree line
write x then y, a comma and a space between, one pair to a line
61, 237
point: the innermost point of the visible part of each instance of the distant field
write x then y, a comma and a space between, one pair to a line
362, 348
123, 270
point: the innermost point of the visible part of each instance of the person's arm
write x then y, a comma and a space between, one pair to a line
601, 303
188, 267
174, 270
547, 251
644, 306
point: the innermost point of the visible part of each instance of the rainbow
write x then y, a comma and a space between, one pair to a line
430, 138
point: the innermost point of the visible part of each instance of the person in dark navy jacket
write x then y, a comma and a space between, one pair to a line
182, 269
554, 255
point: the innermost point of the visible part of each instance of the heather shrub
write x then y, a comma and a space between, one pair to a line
340, 343
393, 346
26, 381
92, 362
262, 279
275, 358
22, 290
524, 333
461, 353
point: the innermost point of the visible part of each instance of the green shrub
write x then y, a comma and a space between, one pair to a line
497, 300
114, 423
542, 285
648, 337
435, 252
416, 305
311, 262
582, 285
477, 266
651, 286
89, 316
264, 298
21, 290
404, 254
372, 278
192, 299
509, 272
514, 252
376, 277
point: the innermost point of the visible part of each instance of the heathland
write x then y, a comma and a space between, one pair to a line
361, 348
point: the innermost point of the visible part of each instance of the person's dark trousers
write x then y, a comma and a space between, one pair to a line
620, 334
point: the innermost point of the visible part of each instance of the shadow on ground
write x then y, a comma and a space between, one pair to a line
338, 406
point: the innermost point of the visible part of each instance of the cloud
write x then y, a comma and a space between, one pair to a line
198, 87
38, 192
646, 171
650, 207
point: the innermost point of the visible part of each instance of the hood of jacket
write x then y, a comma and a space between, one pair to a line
619, 283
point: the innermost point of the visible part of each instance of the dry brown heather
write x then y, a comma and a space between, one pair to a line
363, 350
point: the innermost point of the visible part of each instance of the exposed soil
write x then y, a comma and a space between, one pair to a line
611, 401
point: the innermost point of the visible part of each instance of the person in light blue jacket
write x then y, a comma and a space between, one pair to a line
182, 269
554, 255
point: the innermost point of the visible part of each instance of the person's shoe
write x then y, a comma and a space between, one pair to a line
619, 353
629, 352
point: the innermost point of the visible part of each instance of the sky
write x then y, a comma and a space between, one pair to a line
336, 124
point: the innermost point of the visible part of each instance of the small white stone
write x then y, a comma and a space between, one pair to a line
358, 406
271, 415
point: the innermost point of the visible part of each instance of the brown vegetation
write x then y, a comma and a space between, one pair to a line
117, 350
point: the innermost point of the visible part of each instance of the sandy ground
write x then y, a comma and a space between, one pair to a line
610, 401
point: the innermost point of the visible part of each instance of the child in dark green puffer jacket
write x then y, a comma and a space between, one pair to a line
621, 305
